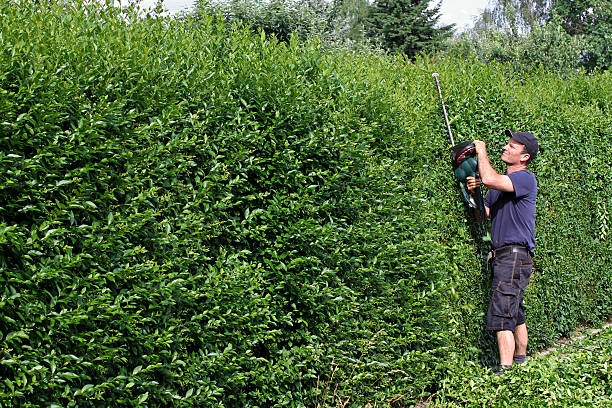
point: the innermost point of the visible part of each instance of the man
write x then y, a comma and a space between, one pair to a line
511, 204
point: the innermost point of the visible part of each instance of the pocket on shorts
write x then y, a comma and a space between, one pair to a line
505, 300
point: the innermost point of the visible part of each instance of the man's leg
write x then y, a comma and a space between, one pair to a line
520, 343
506, 346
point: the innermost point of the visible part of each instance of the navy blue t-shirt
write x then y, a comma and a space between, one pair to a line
513, 213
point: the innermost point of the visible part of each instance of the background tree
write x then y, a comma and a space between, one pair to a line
511, 30
350, 17
281, 18
516, 16
548, 46
407, 26
591, 20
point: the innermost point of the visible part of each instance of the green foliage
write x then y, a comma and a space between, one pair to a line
337, 25
510, 28
548, 46
514, 16
590, 20
407, 26
566, 377
187, 219
281, 18
197, 216
350, 18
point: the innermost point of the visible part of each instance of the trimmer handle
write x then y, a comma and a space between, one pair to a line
479, 200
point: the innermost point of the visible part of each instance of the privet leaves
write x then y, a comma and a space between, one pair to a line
192, 216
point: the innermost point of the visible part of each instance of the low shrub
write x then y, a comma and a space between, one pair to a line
565, 377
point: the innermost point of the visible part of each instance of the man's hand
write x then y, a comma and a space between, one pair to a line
473, 183
480, 147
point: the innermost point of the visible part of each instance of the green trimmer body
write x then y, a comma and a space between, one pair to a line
465, 164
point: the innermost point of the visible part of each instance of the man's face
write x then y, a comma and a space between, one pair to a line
514, 152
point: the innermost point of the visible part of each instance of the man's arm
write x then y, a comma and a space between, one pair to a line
488, 175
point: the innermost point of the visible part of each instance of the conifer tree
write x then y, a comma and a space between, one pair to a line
407, 26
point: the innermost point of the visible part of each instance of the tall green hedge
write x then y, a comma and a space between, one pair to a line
192, 216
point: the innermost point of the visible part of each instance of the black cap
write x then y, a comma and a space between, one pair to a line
526, 138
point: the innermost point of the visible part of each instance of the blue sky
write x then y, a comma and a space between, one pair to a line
460, 12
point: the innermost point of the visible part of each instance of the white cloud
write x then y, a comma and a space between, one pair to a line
461, 12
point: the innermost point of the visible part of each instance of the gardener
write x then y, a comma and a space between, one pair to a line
511, 203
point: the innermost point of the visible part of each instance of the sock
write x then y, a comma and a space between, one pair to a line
520, 359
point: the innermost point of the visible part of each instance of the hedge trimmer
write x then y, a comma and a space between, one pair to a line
463, 158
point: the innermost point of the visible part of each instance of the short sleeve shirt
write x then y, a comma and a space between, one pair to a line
513, 213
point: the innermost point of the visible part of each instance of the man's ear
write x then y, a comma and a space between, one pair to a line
525, 157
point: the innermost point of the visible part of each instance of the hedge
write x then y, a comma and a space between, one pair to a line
193, 215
